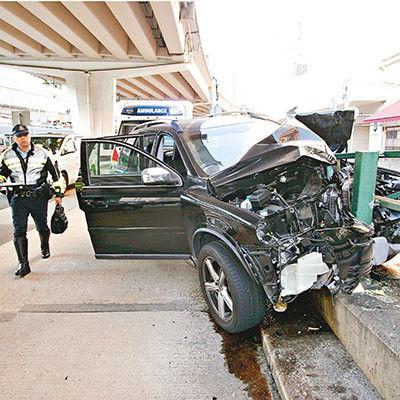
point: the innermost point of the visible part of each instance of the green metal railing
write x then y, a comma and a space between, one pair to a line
365, 171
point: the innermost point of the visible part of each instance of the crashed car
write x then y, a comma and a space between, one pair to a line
258, 206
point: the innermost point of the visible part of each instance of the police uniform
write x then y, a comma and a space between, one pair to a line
31, 197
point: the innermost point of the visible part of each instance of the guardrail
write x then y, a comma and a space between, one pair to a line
365, 171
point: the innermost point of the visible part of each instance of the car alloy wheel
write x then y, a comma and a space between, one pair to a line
217, 290
235, 300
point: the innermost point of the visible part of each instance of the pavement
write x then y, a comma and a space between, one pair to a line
81, 328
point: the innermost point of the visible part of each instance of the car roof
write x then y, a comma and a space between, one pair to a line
181, 126
207, 122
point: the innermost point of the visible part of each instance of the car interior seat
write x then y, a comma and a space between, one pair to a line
176, 163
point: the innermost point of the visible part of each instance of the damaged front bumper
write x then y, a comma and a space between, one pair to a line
308, 244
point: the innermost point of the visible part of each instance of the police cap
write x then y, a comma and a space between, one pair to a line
20, 130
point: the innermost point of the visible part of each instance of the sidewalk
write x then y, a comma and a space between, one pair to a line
81, 328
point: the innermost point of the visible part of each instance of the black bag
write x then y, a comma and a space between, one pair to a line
59, 222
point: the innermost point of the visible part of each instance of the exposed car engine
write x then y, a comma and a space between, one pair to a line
306, 218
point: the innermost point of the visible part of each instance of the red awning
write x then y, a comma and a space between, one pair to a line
388, 114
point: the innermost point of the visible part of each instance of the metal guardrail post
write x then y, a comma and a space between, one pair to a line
365, 169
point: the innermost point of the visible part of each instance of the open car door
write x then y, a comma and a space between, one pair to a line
131, 201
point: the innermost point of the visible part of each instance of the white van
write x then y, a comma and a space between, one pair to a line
135, 112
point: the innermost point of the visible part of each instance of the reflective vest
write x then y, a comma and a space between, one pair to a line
32, 170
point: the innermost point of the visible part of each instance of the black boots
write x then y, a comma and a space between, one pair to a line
44, 245
21, 246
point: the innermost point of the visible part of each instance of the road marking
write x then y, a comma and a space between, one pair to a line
111, 308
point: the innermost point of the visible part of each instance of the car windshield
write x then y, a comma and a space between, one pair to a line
220, 145
50, 143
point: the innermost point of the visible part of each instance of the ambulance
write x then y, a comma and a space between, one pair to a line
135, 112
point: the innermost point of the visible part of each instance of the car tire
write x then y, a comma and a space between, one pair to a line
235, 301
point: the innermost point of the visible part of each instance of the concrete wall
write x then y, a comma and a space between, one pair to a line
360, 140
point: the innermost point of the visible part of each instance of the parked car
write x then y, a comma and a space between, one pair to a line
258, 207
65, 150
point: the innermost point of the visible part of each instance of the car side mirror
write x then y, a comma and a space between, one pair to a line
159, 176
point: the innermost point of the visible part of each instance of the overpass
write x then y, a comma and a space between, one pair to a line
103, 49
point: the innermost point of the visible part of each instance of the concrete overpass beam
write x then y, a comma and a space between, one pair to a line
57, 17
132, 19
163, 85
14, 37
180, 85
129, 86
7, 50
100, 21
21, 19
196, 80
167, 15
147, 87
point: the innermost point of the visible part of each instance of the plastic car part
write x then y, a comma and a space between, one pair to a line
296, 278
334, 127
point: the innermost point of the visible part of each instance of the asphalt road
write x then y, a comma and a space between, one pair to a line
81, 328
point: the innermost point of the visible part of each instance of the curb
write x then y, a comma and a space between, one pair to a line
368, 327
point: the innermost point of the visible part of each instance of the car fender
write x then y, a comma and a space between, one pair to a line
228, 241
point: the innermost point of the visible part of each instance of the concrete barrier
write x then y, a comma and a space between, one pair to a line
369, 328
307, 360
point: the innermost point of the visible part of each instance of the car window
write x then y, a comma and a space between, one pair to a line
168, 152
142, 142
112, 164
148, 142
165, 148
134, 141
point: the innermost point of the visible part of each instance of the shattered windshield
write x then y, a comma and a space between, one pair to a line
221, 145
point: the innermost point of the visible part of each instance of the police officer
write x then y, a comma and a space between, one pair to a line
28, 165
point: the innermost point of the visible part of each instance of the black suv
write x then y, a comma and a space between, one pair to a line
259, 207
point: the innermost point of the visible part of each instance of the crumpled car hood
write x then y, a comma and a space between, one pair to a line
334, 127
264, 156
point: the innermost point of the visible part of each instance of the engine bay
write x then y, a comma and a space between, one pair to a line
306, 220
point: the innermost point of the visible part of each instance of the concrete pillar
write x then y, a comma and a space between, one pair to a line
93, 98
78, 90
102, 100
